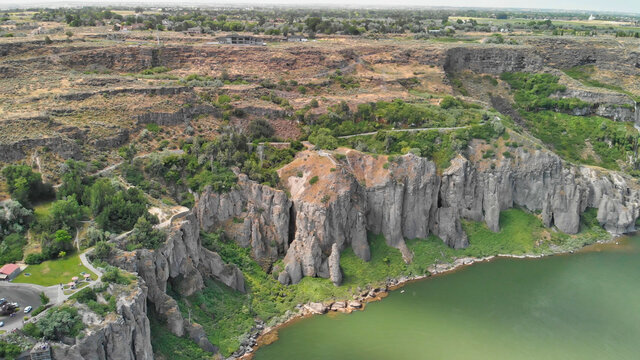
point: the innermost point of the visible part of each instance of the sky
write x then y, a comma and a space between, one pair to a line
626, 6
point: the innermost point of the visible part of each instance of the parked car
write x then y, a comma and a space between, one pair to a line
2, 301
27, 309
1, 323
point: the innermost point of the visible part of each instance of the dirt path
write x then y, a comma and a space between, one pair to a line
404, 130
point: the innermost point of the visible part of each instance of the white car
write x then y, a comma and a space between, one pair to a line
1, 323
27, 309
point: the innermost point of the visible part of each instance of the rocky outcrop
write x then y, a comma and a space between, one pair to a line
407, 198
65, 148
120, 138
492, 60
111, 92
615, 106
182, 116
334, 265
253, 215
125, 336
183, 264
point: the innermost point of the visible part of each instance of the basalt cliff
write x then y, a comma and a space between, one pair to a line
405, 197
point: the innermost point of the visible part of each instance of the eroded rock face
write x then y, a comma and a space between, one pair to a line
127, 336
615, 106
493, 60
253, 215
407, 198
183, 263
335, 274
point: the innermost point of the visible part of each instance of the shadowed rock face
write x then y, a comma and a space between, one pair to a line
126, 337
183, 263
409, 199
253, 215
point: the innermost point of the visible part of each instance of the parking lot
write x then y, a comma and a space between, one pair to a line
24, 296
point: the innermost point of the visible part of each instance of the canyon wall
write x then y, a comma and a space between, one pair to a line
184, 264
126, 336
406, 198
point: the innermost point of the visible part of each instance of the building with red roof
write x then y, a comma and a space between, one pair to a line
9, 271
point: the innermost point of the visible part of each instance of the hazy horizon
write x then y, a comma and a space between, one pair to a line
618, 6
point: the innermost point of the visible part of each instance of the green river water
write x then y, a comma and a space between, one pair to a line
580, 306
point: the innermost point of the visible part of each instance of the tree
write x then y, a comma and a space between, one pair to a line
74, 179
113, 275
25, 185
259, 129
14, 218
11, 248
312, 23
60, 322
47, 40
323, 139
120, 212
9, 351
145, 235
95, 236
102, 250
128, 152
44, 299
65, 214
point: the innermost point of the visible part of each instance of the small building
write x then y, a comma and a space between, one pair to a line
194, 31
240, 40
9, 271
296, 38
41, 351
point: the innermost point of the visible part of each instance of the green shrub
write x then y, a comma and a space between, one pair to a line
155, 70
35, 258
32, 330
25, 185
313, 180
60, 322
11, 248
113, 275
260, 129
153, 127
145, 235
323, 139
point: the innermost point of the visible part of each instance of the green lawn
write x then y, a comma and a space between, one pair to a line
53, 272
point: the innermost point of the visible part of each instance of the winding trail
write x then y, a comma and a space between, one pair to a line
405, 130
115, 166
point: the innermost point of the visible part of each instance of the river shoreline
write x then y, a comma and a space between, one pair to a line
268, 335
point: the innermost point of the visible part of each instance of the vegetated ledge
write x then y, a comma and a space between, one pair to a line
262, 335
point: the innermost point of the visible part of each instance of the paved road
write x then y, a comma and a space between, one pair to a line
29, 294
85, 262
24, 296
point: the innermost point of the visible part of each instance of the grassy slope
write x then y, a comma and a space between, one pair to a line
53, 272
591, 140
168, 346
568, 135
226, 314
